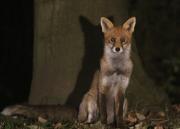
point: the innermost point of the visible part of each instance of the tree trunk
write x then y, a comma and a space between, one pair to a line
67, 48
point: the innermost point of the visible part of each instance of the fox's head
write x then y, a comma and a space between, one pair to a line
117, 39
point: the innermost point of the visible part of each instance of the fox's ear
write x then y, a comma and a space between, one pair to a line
106, 24
130, 24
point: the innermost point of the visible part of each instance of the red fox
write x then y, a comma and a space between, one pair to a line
107, 93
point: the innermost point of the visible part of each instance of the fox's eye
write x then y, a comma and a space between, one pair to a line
113, 40
123, 43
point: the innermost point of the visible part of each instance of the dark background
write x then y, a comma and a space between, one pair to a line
157, 39
16, 50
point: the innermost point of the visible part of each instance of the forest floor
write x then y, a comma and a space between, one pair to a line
154, 119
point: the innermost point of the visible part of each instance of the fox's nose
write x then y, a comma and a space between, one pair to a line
117, 49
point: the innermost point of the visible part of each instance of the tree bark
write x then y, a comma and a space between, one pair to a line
67, 47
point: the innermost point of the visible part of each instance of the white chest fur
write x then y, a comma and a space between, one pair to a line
118, 64
115, 82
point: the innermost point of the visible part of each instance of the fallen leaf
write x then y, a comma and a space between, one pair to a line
58, 125
139, 125
161, 114
158, 127
42, 120
131, 118
140, 116
34, 127
176, 107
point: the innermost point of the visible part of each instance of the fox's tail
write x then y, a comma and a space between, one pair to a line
52, 112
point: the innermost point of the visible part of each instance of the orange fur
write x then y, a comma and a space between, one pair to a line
112, 78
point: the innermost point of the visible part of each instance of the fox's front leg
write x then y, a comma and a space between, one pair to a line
102, 107
119, 107
125, 108
110, 110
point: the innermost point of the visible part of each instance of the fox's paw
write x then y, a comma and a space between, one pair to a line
88, 110
125, 108
82, 115
92, 112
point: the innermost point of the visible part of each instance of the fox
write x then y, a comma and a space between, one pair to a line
106, 98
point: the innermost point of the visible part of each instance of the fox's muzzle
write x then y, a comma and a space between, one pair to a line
117, 49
